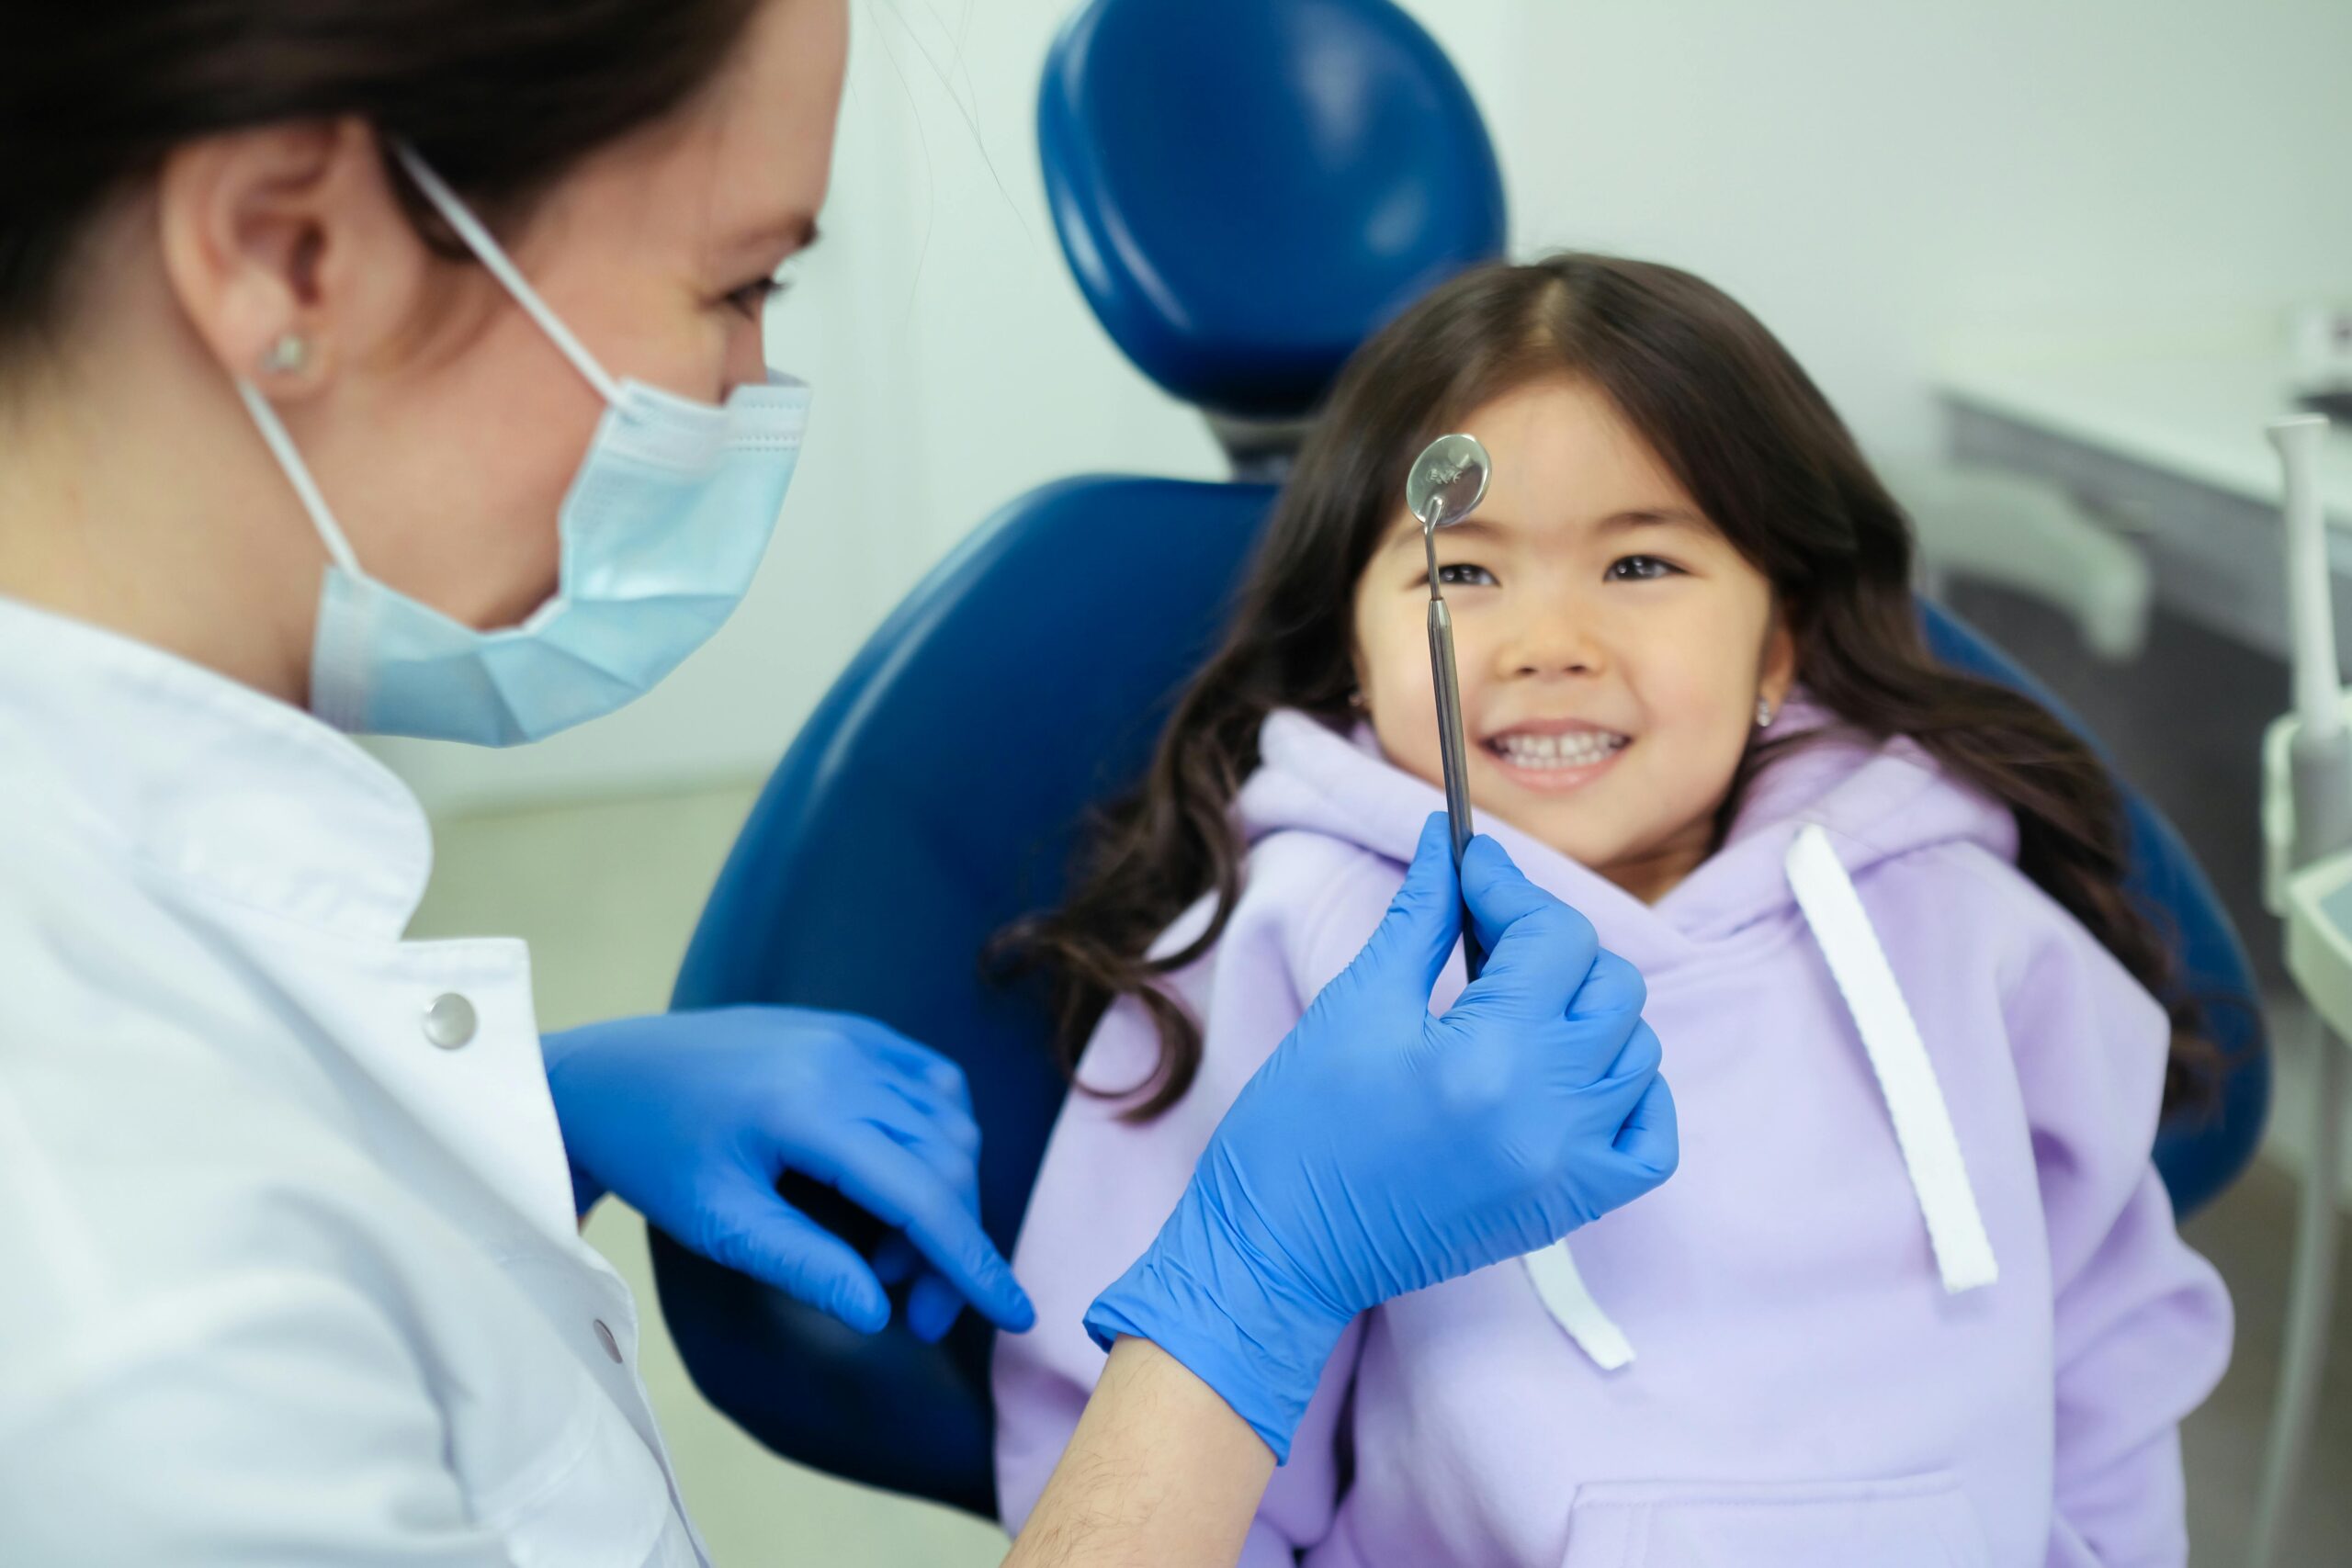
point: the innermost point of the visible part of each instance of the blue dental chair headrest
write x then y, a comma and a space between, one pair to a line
1246, 190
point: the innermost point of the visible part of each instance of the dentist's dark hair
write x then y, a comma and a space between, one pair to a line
502, 98
1769, 463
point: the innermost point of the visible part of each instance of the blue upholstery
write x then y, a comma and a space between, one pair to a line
1238, 242
930, 798
1209, 162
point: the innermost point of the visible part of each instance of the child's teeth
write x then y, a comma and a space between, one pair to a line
1575, 750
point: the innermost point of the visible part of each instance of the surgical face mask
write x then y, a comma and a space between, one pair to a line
660, 533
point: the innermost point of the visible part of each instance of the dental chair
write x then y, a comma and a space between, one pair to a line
1238, 245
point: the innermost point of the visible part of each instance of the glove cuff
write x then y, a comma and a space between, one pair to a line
1204, 1295
586, 1190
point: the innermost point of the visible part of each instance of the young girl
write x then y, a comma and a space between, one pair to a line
1914, 1296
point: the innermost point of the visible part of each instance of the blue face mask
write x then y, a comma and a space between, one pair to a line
660, 533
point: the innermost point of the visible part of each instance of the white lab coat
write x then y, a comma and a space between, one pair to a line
288, 1272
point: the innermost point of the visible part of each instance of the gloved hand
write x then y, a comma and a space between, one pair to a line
691, 1118
1380, 1149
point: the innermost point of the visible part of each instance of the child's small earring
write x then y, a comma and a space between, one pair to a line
1355, 701
287, 355
1763, 713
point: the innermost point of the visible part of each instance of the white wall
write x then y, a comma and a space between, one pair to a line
1877, 181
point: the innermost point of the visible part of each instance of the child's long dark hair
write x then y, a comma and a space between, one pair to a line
1767, 459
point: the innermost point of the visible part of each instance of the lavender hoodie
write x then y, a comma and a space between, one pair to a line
1914, 1296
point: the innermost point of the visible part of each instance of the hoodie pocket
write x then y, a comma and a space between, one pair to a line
1921, 1521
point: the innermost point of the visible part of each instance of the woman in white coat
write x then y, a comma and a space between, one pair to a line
398, 370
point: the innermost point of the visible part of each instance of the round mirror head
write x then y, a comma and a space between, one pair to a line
1448, 480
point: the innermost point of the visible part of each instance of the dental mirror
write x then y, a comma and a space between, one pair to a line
1445, 485
1448, 480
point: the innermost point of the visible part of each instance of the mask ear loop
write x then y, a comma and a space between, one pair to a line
493, 256
297, 473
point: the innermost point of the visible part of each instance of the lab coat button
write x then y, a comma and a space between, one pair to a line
604, 1335
450, 1022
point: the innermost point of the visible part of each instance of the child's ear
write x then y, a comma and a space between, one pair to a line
1778, 672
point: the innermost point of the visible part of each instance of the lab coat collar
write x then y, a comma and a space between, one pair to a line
207, 781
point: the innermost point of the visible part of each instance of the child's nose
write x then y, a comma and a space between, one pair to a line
1552, 643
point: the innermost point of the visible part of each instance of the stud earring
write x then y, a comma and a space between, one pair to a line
289, 354
1355, 701
1763, 713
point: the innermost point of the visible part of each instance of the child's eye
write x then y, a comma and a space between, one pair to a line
752, 299
1641, 569
1465, 574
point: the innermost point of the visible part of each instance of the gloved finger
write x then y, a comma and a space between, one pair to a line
1614, 1094
956, 1163
941, 1118
1497, 890
876, 1043
760, 1234
895, 1259
1609, 1038
932, 1307
1535, 965
1650, 1141
851, 1143
1538, 949
1641, 1056
1414, 937
937, 1132
946, 1139
915, 1062
898, 1189
1612, 985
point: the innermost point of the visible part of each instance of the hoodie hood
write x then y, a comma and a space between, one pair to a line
1873, 801
1826, 812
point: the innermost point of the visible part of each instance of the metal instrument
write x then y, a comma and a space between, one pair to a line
1447, 481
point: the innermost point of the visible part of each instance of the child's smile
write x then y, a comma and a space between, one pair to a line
1557, 754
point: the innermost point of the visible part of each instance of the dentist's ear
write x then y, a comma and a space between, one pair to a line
290, 234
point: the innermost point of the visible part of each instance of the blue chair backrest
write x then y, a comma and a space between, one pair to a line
1237, 243
931, 798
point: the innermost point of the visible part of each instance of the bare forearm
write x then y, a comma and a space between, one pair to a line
1160, 1470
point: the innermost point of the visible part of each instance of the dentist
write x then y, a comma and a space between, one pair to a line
372, 368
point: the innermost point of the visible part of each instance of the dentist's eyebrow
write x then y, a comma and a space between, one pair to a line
791, 234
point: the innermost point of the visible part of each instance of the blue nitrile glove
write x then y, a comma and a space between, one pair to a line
691, 1117
1380, 1150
